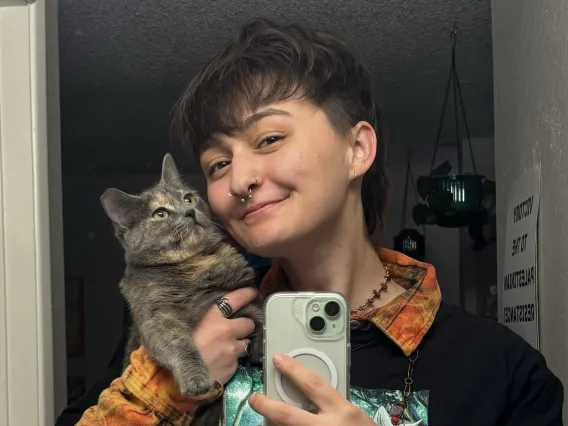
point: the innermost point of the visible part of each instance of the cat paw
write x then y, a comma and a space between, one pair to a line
198, 384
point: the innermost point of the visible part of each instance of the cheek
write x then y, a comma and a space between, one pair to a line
318, 168
219, 201
292, 169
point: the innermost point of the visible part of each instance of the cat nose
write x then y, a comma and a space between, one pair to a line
190, 213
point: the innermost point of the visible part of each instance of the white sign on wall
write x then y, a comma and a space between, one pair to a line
520, 272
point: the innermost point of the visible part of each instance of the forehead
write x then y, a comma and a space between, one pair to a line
162, 195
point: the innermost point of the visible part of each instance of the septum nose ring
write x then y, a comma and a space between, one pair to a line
244, 200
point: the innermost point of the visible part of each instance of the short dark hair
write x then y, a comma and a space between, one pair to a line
269, 62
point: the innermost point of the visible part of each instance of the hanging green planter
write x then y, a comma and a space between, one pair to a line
450, 200
464, 189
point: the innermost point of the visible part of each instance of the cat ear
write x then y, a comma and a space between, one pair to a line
120, 207
170, 173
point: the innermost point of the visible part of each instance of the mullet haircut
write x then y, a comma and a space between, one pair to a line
269, 62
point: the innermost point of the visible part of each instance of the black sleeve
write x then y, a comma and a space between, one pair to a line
535, 396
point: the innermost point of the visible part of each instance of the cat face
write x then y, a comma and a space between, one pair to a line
165, 222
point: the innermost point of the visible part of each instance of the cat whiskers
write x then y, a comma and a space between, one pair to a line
215, 223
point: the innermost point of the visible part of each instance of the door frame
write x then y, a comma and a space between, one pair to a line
32, 314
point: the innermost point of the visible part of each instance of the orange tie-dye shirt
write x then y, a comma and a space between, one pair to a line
147, 395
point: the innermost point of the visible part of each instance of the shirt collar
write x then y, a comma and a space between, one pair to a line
407, 318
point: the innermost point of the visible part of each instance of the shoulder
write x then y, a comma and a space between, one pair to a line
490, 341
476, 329
500, 362
454, 317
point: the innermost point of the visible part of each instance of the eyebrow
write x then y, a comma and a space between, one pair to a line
256, 117
243, 127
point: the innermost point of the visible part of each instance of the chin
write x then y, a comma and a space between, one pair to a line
272, 243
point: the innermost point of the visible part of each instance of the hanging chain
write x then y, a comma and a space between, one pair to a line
456, 115
462, 107
443, 115
397, 410
409, 381
458, 104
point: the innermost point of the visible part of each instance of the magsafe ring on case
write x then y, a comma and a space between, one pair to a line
305, 351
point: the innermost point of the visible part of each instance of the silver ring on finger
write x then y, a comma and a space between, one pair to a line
248, 348
224, 306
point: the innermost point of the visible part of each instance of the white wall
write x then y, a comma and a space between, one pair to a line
530, 61
26, 345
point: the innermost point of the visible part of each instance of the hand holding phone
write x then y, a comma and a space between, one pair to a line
313, 329
334, 409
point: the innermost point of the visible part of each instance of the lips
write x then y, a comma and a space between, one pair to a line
256, 207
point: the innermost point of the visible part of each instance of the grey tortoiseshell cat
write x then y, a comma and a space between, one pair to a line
177, 265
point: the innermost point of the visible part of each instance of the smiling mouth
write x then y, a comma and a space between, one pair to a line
260, 209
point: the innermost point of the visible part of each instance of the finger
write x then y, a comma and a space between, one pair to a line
242, 327
239, 298
313, 386
244, 346
279, 412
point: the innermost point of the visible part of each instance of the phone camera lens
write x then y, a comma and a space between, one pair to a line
317, 324
332, 308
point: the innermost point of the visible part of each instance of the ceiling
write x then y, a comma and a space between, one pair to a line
124, 63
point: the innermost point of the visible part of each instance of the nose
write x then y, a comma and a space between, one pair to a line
243, 177
190, 213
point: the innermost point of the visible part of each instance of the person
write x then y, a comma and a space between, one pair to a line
287, 131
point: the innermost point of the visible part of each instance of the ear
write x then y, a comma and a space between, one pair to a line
170, 173
120, 207
363, 149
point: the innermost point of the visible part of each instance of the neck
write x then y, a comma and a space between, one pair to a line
344, 262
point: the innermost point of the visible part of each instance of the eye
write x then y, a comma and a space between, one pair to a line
160, 214
270, 140
189, 198
217, 166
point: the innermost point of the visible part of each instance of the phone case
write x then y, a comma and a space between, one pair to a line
290, 328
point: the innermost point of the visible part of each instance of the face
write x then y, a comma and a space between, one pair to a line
166, 221
168, 216
299, 169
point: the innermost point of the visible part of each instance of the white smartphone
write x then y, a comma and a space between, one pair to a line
312, 327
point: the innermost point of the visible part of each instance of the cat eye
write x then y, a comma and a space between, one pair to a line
189, 198
160, 214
